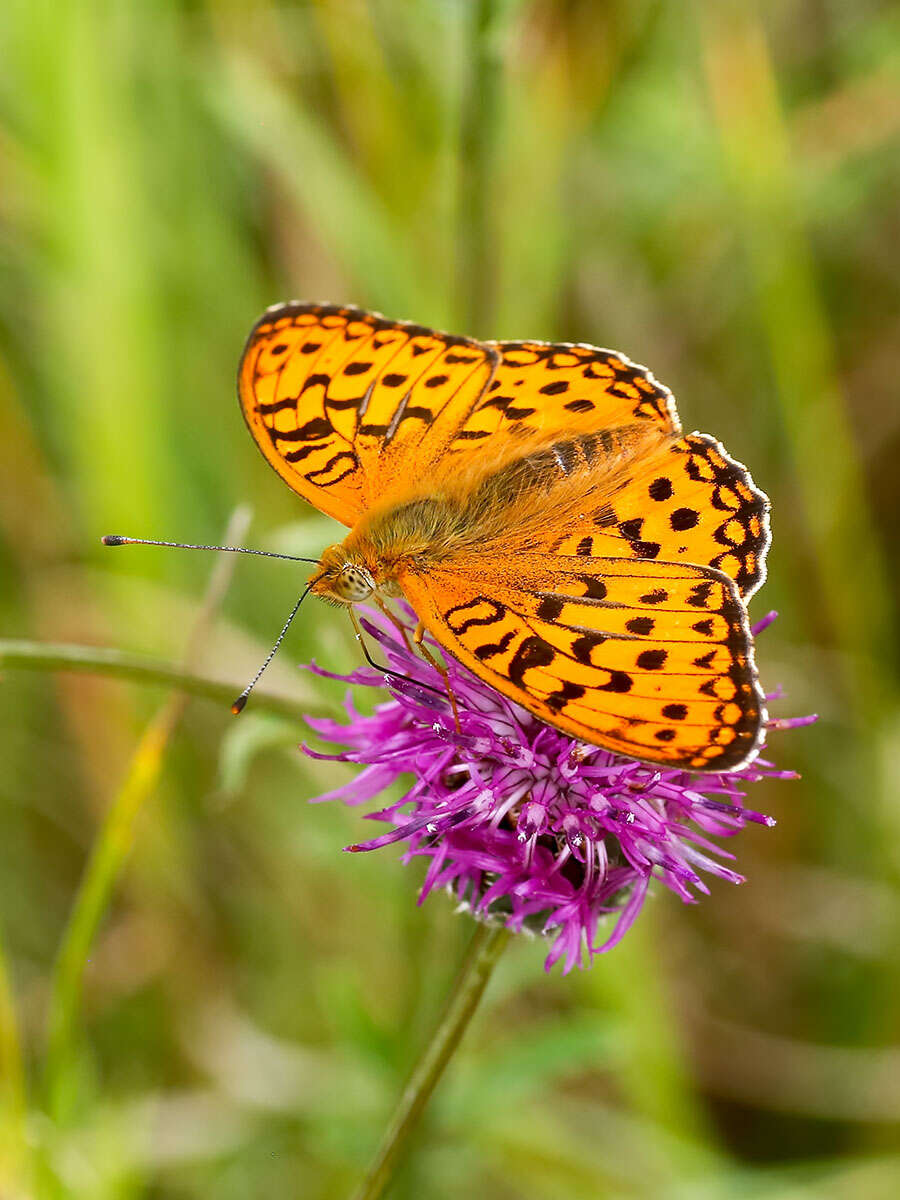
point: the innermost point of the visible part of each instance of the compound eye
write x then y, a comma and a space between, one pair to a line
355, 583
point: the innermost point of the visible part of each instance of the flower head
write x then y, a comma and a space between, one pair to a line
522, 823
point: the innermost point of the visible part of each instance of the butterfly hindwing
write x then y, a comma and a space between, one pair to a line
685, 501
650, 659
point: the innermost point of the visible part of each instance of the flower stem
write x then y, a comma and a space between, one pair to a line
484, 951
13, 1092
20, 654
479, 134
113, 843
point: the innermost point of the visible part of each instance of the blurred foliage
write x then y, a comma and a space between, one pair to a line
711, 187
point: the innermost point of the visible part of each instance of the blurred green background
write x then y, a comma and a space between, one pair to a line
711, 187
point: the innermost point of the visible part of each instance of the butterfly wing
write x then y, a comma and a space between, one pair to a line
650, 659
336, 399
684, 501
618, 618
349, 407
557, 386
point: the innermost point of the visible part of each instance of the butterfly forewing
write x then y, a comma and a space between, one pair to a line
558, 386
653, 660
417, 407
289, 358
348, 406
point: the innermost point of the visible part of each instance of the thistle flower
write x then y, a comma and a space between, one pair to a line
521, 823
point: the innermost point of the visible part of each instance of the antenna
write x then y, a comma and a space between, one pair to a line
238, 705
114, 539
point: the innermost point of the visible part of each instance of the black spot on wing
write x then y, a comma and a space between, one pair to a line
700, 593
416, 412
594, 588
684, 518
319, 476
344, 405
558, 699
320, 379
489, 649
640, 625
652, 660
550, 607
605, 517
583, 645
276, 406
314, 430
619, 681
294, 456
675, 712
463, 617
533, 652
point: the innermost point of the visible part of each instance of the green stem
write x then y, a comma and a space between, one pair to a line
479, 121
99, 660
757, 153
13, 1093
484, 951
478, 141
112, 846
95, 891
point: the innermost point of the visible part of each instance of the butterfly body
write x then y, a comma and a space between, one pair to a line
539, 508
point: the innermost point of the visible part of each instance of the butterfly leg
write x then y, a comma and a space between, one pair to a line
398, 625
386, 670
418, 638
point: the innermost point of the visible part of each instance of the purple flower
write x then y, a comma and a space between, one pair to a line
522, 823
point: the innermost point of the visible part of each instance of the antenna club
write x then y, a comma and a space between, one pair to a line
113, 539
238, 707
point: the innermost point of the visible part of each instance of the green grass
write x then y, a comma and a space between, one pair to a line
710, 187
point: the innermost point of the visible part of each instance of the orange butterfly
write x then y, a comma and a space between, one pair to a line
539, 508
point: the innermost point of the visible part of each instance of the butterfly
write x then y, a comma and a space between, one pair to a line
541, 511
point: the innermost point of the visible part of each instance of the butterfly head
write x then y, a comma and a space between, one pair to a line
342, 580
